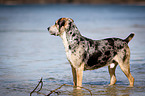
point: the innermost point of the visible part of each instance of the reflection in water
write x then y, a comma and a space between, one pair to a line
114, 90
77, 92
117, 91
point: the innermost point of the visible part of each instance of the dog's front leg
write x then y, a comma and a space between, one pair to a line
77, 76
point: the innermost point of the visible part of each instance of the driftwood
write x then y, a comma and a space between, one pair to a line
53, 91
40, 82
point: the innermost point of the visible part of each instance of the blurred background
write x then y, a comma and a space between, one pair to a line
72, 1
28, 52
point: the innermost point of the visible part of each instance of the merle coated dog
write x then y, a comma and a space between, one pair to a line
87, 54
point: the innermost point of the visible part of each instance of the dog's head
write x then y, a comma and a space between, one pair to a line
60, 26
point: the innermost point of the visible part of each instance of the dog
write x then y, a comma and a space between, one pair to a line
87, 54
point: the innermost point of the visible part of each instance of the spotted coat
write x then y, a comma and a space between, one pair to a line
94, 53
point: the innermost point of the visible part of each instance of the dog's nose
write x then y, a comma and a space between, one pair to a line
48, 28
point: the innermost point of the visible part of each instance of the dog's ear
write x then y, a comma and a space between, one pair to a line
71, 19
61, 22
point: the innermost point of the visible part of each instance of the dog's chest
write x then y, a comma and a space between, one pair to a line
73, 55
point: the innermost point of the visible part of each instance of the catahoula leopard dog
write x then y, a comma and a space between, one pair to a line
87, 54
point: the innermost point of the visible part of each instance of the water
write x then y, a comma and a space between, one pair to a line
28, 52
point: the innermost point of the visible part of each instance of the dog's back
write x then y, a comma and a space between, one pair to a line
103, 51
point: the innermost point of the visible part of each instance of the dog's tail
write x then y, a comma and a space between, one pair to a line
129, 37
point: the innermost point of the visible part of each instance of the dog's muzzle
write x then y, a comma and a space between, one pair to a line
51, 32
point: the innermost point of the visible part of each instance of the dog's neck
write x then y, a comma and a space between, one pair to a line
71, 38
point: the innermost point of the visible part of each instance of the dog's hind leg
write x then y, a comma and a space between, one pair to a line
111, 69
124, 63
125, 67
77, 76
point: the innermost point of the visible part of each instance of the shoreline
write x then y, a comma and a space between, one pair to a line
129, 4
15, 2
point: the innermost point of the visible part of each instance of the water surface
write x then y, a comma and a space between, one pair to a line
28, 52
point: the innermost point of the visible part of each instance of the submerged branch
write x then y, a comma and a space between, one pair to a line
40, 82
53, 91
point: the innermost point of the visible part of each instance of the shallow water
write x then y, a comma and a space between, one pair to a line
28, 52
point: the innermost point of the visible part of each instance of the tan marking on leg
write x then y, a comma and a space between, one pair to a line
125, 66
78, 76
126, 71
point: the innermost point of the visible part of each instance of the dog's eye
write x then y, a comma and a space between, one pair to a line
61, 23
